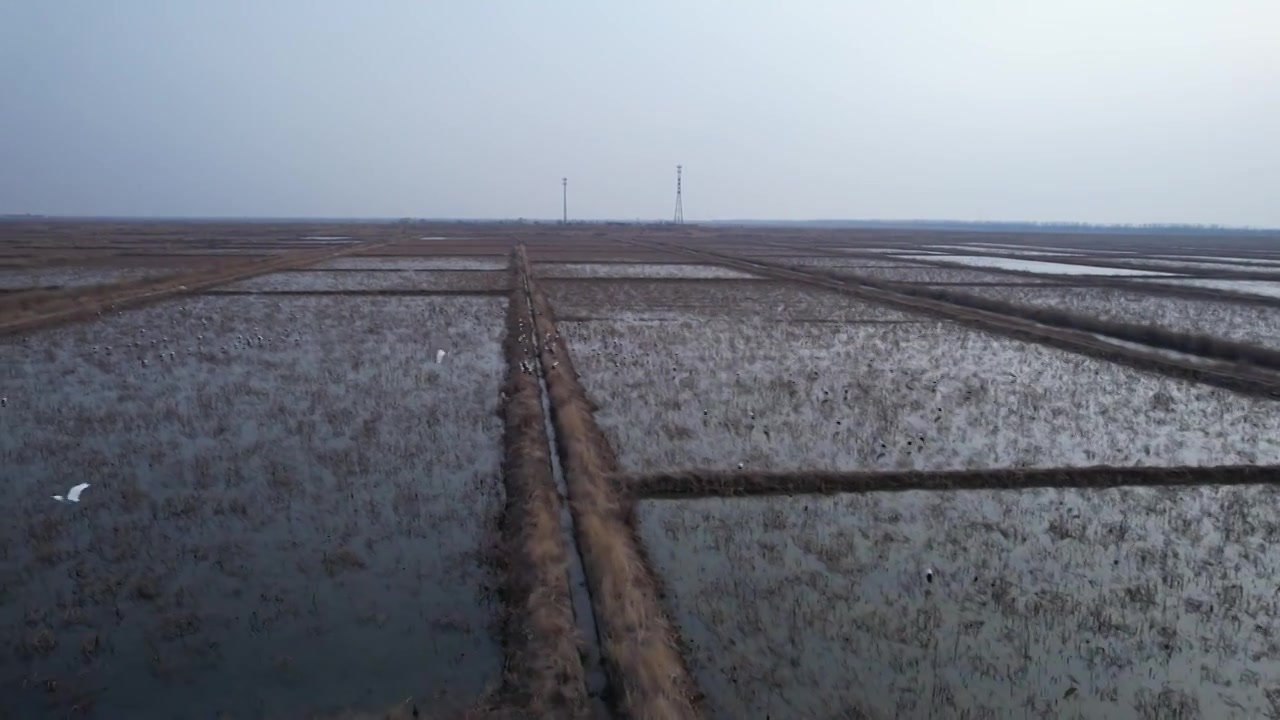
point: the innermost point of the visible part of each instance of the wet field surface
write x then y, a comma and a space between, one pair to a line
883, 395
1126, 603
290, 510
1242, 322
355, 280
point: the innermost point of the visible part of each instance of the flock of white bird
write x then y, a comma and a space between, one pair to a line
527, 366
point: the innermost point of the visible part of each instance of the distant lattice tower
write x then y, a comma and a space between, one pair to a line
679, 199
564, 197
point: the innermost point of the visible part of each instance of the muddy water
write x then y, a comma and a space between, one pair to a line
289, 526
1116, 603
711, 393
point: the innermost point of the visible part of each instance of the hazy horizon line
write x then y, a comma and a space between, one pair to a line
833, 223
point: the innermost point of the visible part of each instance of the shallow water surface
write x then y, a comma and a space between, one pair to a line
274, 527
1148, 603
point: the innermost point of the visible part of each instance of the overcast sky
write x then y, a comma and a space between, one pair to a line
1089, 110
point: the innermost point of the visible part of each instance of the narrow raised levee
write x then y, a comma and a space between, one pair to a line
545, 674
647, 672
22, 312
1238, 367
700, 483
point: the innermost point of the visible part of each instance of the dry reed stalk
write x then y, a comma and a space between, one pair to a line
646, 669
545, 675
52, 307
708, 483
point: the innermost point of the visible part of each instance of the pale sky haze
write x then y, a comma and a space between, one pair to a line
1080, 110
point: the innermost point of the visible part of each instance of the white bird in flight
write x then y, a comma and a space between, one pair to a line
73, 495
439, 356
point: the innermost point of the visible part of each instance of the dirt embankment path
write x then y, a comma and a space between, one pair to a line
24, 311
709, 483
647, 673
545, 675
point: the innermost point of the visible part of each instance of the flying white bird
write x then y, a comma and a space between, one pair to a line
73, 495
439, 356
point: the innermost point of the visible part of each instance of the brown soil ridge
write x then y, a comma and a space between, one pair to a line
1240, 368
366, 293
1188, 343
647, 673
711, 483
1112, 282
21, 312
1225, 272
544, 673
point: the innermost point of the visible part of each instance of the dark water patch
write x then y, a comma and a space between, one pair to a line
1149, 603
290, 511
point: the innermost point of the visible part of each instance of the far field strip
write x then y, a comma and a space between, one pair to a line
116, 296
1200, 281
1251, 323
1243, 378
1008, 261
361, 293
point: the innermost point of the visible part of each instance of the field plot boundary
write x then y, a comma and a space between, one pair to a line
795, 320
709, 483
1173, 276
599, 280
1150, 285
389, 270
545, 675
362, 293
647, 671
1205, 346
128, 294
1118, 263
1239, 377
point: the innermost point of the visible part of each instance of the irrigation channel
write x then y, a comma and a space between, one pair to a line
579, 593
640, 650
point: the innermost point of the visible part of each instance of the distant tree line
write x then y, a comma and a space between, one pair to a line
1017, 226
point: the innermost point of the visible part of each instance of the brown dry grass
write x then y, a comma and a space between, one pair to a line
1184, 342
23, 311
646, 669
695, 483
545, 675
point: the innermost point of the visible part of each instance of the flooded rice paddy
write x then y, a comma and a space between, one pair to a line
1124, 603
1243, 322
381, 280
290, 510
713, 392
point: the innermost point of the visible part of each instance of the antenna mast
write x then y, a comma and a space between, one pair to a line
564, 186
679, 220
